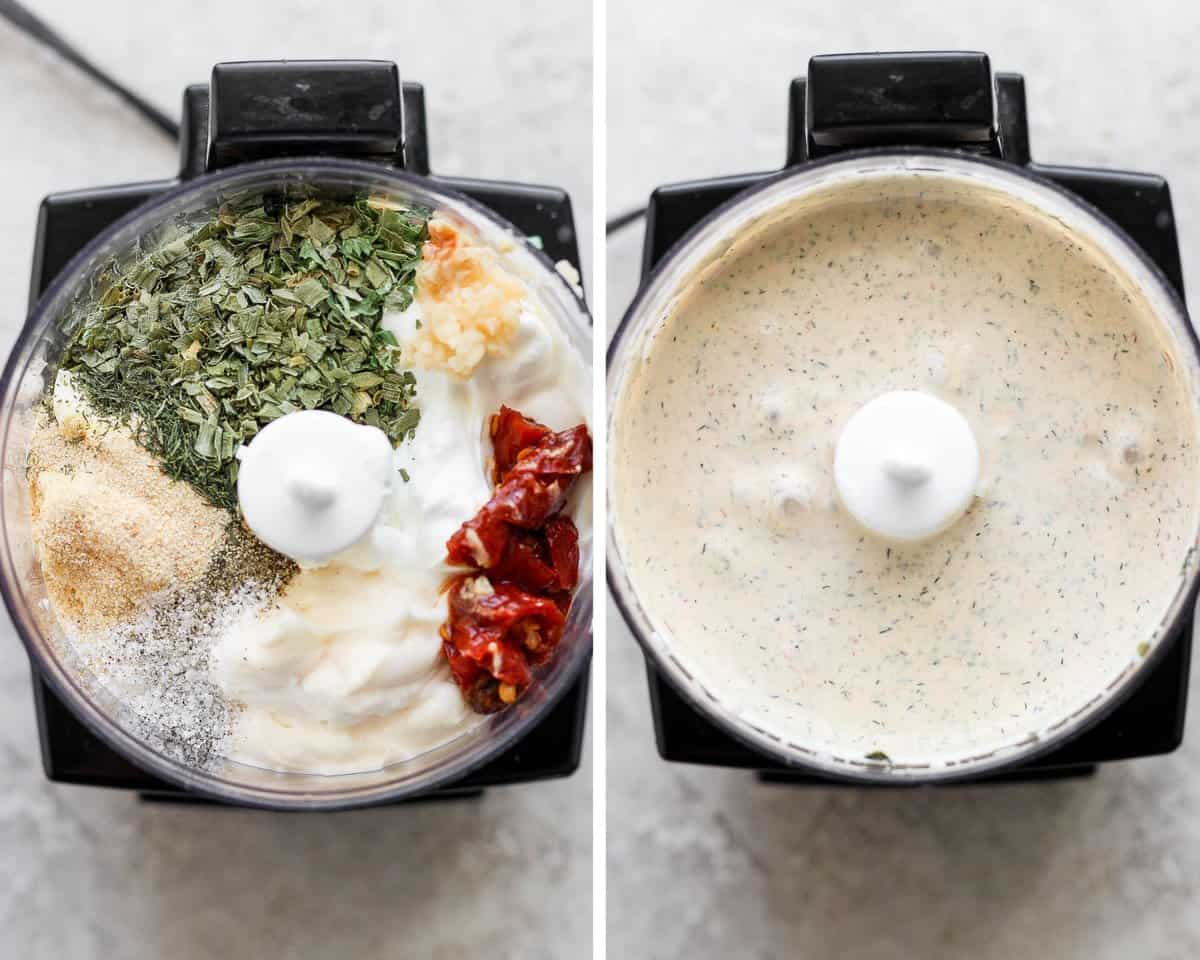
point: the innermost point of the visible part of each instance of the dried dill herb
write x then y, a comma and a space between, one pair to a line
264, 309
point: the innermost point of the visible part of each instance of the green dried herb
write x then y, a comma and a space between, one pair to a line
266, 308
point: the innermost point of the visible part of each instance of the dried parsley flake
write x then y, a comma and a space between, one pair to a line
266, 308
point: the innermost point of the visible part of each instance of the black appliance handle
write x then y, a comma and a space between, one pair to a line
280, 108
942, 99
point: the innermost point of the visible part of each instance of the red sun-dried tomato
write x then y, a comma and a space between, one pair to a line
509, 614
563, 541
512, 432
498, 630
528, 563
522, 501
564, 454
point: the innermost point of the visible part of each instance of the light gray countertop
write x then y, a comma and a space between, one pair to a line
709, 864
89, 873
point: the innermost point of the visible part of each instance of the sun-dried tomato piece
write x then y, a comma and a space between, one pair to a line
497, 630
481, 541
503, 614
527, 562
512, 432
480, 688
510, 615
562, 541
533, 491
564, 454
522, 501
544, 561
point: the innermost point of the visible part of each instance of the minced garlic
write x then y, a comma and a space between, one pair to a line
470, 305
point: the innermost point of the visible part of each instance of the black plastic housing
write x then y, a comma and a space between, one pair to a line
348, 108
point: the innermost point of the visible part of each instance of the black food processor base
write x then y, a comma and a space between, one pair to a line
946, 101
67, 221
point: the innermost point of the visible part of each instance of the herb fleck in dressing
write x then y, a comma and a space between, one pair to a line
1025, 608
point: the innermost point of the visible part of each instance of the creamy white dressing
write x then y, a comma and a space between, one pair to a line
1027, 607
347, 673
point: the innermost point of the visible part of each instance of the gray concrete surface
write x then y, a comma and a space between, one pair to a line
709, 864
88, 873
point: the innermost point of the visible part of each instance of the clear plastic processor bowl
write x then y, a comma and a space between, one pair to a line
32, 364
707, 241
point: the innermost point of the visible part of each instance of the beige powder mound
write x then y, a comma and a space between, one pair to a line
110, 528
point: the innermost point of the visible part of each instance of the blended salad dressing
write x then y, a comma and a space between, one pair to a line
1022, 611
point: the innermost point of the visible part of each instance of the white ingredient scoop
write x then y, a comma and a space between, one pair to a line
312, 483
906, 466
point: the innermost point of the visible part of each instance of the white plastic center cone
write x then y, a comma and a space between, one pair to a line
312, 483
906, 466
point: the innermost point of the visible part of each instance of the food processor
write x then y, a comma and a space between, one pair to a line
347, 126
852, 117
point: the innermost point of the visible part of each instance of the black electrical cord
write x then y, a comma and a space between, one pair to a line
25, 20
618, 222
